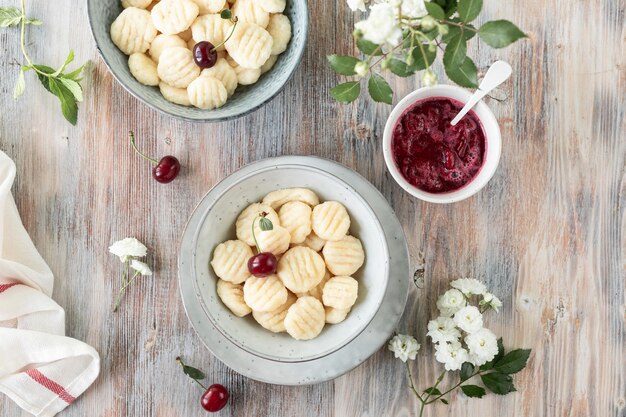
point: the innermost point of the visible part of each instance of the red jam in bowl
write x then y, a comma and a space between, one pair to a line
433, 155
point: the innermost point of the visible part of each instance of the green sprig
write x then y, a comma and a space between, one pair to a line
447, 27
65, 86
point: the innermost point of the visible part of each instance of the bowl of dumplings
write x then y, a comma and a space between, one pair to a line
201, 60
332, 265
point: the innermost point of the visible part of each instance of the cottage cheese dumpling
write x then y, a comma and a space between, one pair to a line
223, 72
232, 297
250, 214
174, 16
313, 241
177, 68
207, 93
340, 292
330, 220
210, 6
277, 198
345, 256
264, 294
280, 30
174, 95
272, 6
305, 319
230, 261
143, 69
249, 11
250, 45
163, 42
211, 28
301, 269
275, 241
295, 216
133, 30
335, 315
274, 320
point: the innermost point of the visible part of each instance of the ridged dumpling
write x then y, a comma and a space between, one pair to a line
272, 6
336, 315
345, 256
210, 6
232, 297
211, 28
295, 216
223, 72
207, 93
143, 69
250, 45
163, 42
230, 261
330, 220
313, 241
301, 269
274, 320
275, 241
177, 68
245, 76
305, 319
277, 198
174, 16
264, 294
340, 292
251, 213
249, 11
280, 30
174, 95
133, 31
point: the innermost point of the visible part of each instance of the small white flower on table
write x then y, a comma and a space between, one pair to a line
128, 248
490, 301
469, 286
451, 354
482, 345
442, 330
469, 319
451, 302
141, 268
381, 26
404, 347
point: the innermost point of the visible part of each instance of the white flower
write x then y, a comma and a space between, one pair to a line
469, 319
469, 286
128, 248
450, 302
381, 26
356, 5
361, 68
443, 330
404, 347
491, 301
429, 78
482, 345
452, 355
141, 267
410, 8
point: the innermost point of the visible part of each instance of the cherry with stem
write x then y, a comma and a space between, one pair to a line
204, 53
215, 397
263, 264
165, 170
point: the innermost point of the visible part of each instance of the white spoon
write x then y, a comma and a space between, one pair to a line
498, 73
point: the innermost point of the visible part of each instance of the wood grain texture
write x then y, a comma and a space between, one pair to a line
547, 233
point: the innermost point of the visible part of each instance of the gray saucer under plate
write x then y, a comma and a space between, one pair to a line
333, 364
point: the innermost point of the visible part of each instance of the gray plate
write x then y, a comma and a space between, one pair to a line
333, 364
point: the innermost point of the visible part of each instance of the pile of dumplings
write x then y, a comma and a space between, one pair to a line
159, 36
313, 284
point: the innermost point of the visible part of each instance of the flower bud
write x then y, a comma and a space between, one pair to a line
361, 68
384, 64
443, 29
432, 47
428, 23
358, 33
429, 78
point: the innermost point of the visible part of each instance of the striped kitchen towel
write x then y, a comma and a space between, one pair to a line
40, 369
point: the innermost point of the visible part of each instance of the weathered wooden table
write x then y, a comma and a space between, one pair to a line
546, 234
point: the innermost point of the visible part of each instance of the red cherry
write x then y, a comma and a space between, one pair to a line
262, 264
204, 54
166, 170
214, 398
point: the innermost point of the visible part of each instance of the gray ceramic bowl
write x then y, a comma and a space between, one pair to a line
246, 99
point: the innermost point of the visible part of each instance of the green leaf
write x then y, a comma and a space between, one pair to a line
498, 356
343, 64
465, 75
193, 373
435, 10
453, 31
467, 370
379, 89
500, 33
34, 22
469, 9
455, 52
10, 16
74, 75
74, 88
68, 102
369, 48
70, 58
443, 400
432, 391
498, 383
265, 224
346, 92
419, 62
401, 68
226, 14
512, 362
473, 391
20, 85
44, 79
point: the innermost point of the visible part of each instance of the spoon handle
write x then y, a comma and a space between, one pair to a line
498, 73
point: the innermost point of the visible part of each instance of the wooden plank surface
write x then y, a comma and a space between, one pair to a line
546, 234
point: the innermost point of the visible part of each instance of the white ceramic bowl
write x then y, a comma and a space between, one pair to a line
227, 200
492, 149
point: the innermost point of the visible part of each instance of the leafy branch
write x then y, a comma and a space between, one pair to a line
65, 86
494, 375
446, 26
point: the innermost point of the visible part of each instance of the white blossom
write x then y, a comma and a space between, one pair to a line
443, 330
356, 5
469, 319
482, 345
491, 301
410, 8
141, 267
128, 248
361, 68
381, 26
469, 286
451, 354
450, 302
404, 347
429, 78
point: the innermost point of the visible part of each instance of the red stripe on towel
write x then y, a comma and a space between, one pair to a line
51, 385
4, 287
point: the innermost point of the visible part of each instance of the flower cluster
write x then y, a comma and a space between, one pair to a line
458, 333
128, 250
404, 37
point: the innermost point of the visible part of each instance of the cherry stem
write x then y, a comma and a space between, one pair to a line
254, 235
182, 365
236, 20
131, 135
